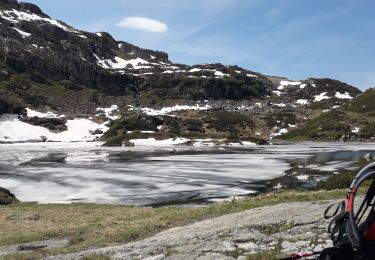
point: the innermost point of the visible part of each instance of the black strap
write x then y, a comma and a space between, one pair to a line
326, 216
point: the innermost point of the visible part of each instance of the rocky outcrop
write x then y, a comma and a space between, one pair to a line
288, 227
53, 124
6, 197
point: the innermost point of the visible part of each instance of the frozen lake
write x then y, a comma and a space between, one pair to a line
87, 172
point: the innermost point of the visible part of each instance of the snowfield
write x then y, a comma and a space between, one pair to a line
321, 97
16, 16
168, 110
119, 63
346, 95
33, 113
12, 129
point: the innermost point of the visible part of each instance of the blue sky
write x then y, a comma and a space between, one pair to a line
292, 38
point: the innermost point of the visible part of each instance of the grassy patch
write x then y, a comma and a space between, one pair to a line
276, 228
328, 126
339, 181
92, 225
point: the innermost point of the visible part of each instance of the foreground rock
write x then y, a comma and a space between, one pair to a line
6, 197
22, 248
289, 227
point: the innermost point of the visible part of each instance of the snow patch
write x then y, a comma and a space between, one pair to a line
14, 130
119, 63
16, 16
321, 96
346, 95
302, 101
355, 130
290, 83
303, 177
220, 74
24, 34
195, 70
154, 142
167, 110
108, 111
33, 113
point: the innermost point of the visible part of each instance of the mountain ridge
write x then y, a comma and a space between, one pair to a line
49, 65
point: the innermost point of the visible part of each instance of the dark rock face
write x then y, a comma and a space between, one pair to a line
6, 197
53, 124
11, 3
8, 108
32, 8
46, 50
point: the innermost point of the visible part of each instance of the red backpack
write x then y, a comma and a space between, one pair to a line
353, 231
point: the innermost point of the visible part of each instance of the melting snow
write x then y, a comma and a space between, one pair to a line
14, 130
290, 83
355, 130
108, 112
277, 92
251, 75
302, 101
321, 97
24, 34
154, 142
15, 16
279, 132
167, 110
346, 95
303, 177
32, 113
221, 74
120, 63
302, 86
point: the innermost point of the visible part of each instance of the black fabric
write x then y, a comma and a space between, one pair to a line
334, 253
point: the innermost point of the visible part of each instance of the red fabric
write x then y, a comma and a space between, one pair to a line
351, 201
370, 234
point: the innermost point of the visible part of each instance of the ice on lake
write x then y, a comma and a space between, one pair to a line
88, 172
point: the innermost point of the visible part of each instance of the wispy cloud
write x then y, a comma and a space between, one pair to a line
144, 24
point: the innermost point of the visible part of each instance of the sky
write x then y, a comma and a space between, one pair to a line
296, 39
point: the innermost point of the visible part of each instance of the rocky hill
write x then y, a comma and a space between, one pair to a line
352, 121
47, 65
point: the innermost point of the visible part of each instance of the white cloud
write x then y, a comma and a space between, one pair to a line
144, 24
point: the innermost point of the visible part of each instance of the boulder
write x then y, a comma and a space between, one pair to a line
6, 197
